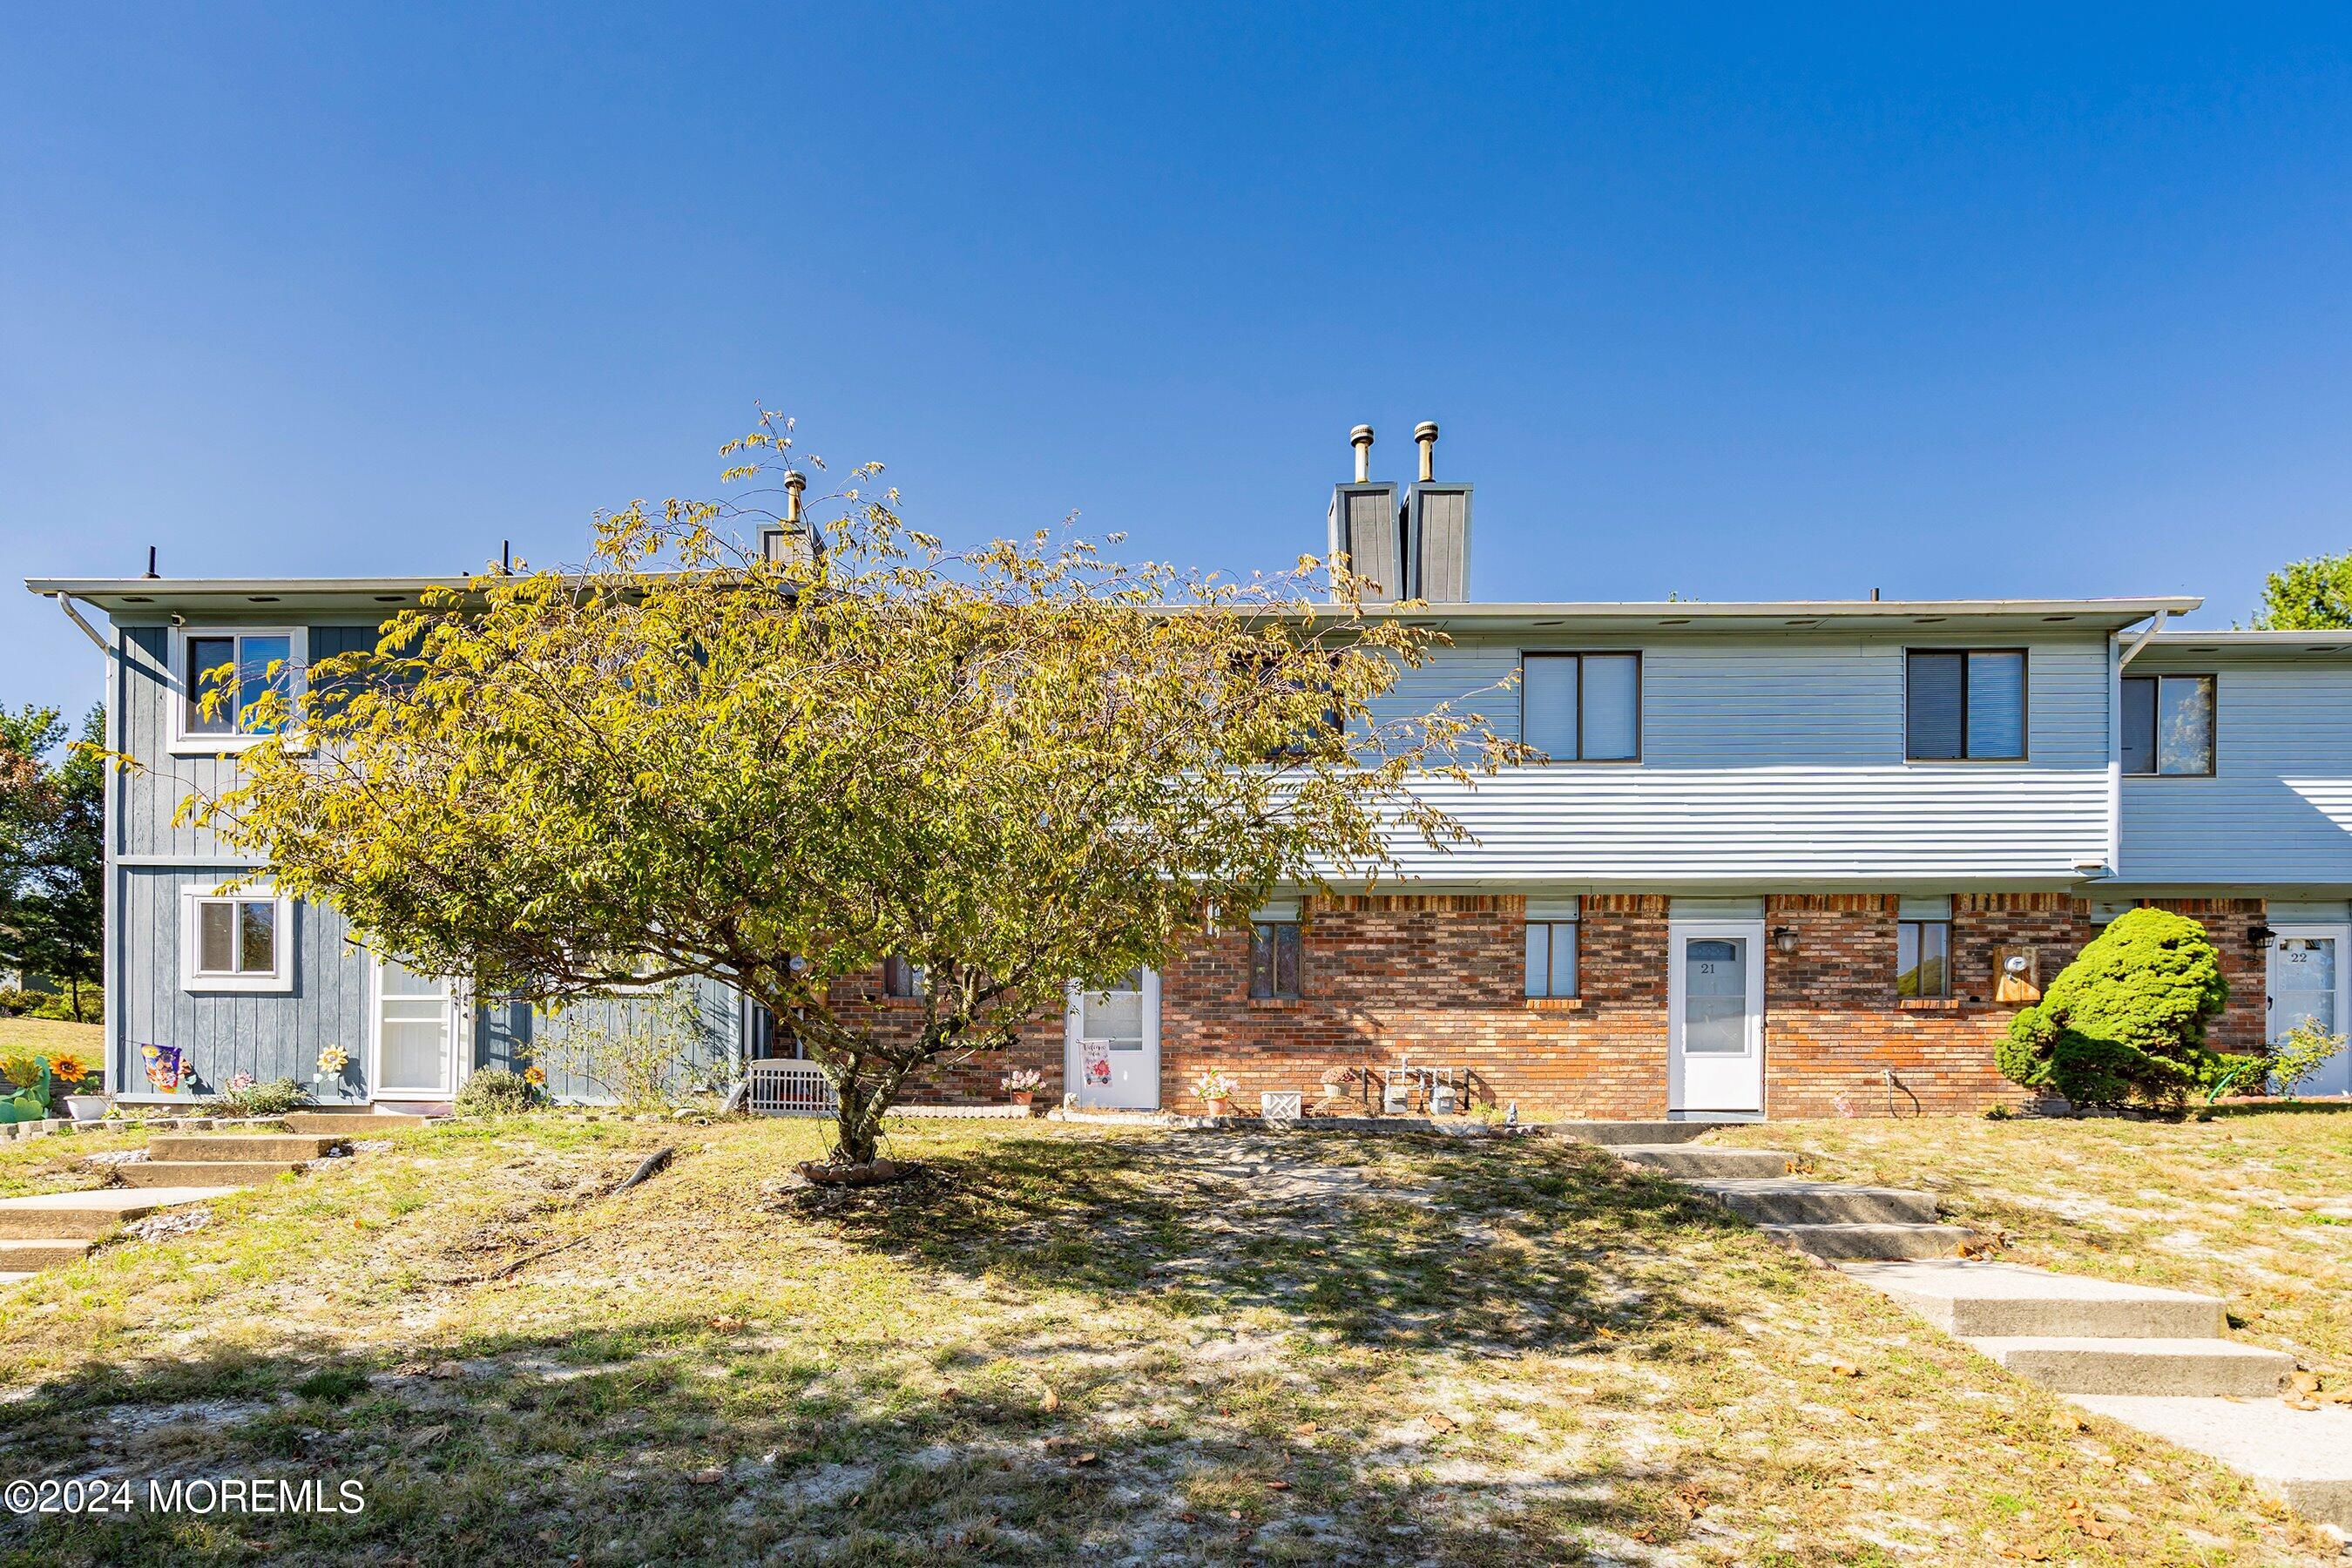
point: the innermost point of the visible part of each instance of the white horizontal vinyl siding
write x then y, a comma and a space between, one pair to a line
2278, 809
1781, 759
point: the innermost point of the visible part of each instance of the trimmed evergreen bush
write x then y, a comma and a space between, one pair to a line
496, 1091
2126, 1021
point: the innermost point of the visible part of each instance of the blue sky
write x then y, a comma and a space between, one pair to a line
1716, 302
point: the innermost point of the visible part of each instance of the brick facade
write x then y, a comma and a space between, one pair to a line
1440, 980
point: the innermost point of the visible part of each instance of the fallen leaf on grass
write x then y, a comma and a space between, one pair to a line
1845, 1369
1441, 1423
1052, 1401
1277, 1486
708, 1475
1305, 1429
725, 1323
430, 1435
1088, 1457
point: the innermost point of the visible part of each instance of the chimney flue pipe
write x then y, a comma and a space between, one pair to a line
1360, 437
1426, 432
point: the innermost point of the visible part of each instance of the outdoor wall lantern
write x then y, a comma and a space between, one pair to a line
2261, 936
1785, 938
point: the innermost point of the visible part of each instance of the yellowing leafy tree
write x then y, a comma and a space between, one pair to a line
1016, 767
2308, 596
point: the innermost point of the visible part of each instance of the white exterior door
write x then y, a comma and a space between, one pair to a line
1112, 1047
2307, 985
418, 1030
1715, 999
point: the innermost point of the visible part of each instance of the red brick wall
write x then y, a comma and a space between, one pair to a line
1440, 980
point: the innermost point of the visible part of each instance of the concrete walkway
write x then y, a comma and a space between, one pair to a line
2160, 1361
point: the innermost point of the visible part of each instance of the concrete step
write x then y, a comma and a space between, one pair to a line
241, 1146
26, 1255
202, 1173
63, 1216
1612, 1133
1695, 1163
1842, 1241
1980, 1300
2302, 1456
354, 1123
2200, 1368
1792, 1200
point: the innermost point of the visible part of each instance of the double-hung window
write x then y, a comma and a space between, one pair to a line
236, 942
1965, 705
901, 978
224, 674
2169, 724
1582, 707
1274, 961
1551, 947
1923, 948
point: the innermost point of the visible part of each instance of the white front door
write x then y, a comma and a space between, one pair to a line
2307, 986
417, 1030
1715, 1000
1112, 1060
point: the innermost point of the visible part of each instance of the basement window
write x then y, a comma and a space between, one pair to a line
1274, 959
901, 978
1923, 948
235, 943
1552, 931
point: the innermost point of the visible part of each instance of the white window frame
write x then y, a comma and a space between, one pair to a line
187, 745
281, 977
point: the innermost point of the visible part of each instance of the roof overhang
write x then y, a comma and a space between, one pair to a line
129, 598
1793, 616
132, 598
2256, 644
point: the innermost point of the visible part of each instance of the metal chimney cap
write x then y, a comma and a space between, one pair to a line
1425, 431
1360, 438
1362, 435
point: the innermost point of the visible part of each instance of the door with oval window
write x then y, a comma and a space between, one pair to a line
1715, 1017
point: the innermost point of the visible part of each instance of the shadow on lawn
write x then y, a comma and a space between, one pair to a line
654, 1443
1478, 1246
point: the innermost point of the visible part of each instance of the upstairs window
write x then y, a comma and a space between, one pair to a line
222, 675
1274, 959
1551, 947
1582, 707
1965, 705
1923, 948
2169, 724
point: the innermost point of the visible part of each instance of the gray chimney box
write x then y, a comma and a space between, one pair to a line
1437, 543
1365, 525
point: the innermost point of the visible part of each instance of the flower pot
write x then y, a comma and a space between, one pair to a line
1220, 1107
84, 1107
1019, 1097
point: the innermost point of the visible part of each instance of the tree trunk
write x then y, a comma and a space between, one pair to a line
864, 1100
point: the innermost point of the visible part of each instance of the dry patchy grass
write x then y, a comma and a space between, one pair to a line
50, 1035
1062, 1344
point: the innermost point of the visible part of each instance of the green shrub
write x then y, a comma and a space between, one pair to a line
275, 1098
2301, 1051
495, 1091
57, 1005
2126, 1021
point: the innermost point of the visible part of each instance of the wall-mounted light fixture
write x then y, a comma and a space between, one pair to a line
2261, 936
1785, 938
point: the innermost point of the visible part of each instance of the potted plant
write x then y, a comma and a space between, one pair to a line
1216, 1088
1020, 1085
73, 1075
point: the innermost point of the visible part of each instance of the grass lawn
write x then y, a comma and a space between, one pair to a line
1068, 1344
47, 1035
